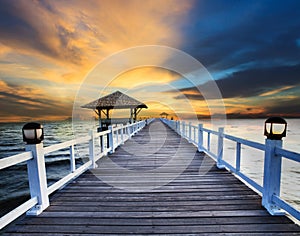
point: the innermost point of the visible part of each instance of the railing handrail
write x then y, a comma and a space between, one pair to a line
30, 156
15, 159
274, 203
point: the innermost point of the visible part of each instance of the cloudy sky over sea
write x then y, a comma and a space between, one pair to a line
250, 48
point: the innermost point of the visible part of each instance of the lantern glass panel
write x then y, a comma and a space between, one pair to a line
268, 127
38, 133
278, 128
29, 133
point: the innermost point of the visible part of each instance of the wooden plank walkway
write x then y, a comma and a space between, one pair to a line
201, 200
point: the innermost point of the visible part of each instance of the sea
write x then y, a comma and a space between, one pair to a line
14, 187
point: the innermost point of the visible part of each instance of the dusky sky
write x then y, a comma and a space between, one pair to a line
250, 48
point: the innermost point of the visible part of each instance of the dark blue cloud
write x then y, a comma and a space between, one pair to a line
224, 34
249, 83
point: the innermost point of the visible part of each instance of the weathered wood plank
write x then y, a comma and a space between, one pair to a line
132, 233
166, 229
156, 221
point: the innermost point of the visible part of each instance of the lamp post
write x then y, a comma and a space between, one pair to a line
33, 135
274, 130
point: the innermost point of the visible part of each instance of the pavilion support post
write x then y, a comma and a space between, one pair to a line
131, 115
135, 114
100, 119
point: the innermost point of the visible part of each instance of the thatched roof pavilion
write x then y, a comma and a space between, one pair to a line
116, 100
164, 114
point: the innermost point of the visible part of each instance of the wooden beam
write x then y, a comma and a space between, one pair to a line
138, 110
96, 111
131, 115
106, 113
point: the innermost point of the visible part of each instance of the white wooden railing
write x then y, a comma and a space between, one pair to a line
35, 158
273, 154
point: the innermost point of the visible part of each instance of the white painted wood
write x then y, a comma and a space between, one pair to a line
287, 154
103, 147
102, 133
72, 159
111, 139
66, 144
128, 131
238, 157
208, 141
200, 137
210, 131
284, 205
190, 132
256, 145
220, 148
183, 134
15, 213
117, 137
15, 159
92, 149
122, 134
272, 174
37, 178
57, 185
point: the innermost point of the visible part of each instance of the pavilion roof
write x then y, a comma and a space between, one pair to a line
116, 100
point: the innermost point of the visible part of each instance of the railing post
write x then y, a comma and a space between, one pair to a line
220, 148
135, 128
190, 132
72, 159
92, 149
238, 158
183, 129
208, 141
111, 139
179, 127
37, 178
200, 138
272, 173
117, 136
128, 131
103, 149
122, 134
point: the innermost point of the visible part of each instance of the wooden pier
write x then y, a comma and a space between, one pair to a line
196, 202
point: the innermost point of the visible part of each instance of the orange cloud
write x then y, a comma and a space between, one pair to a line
64, 40
72, 41
276, 91
143, 76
